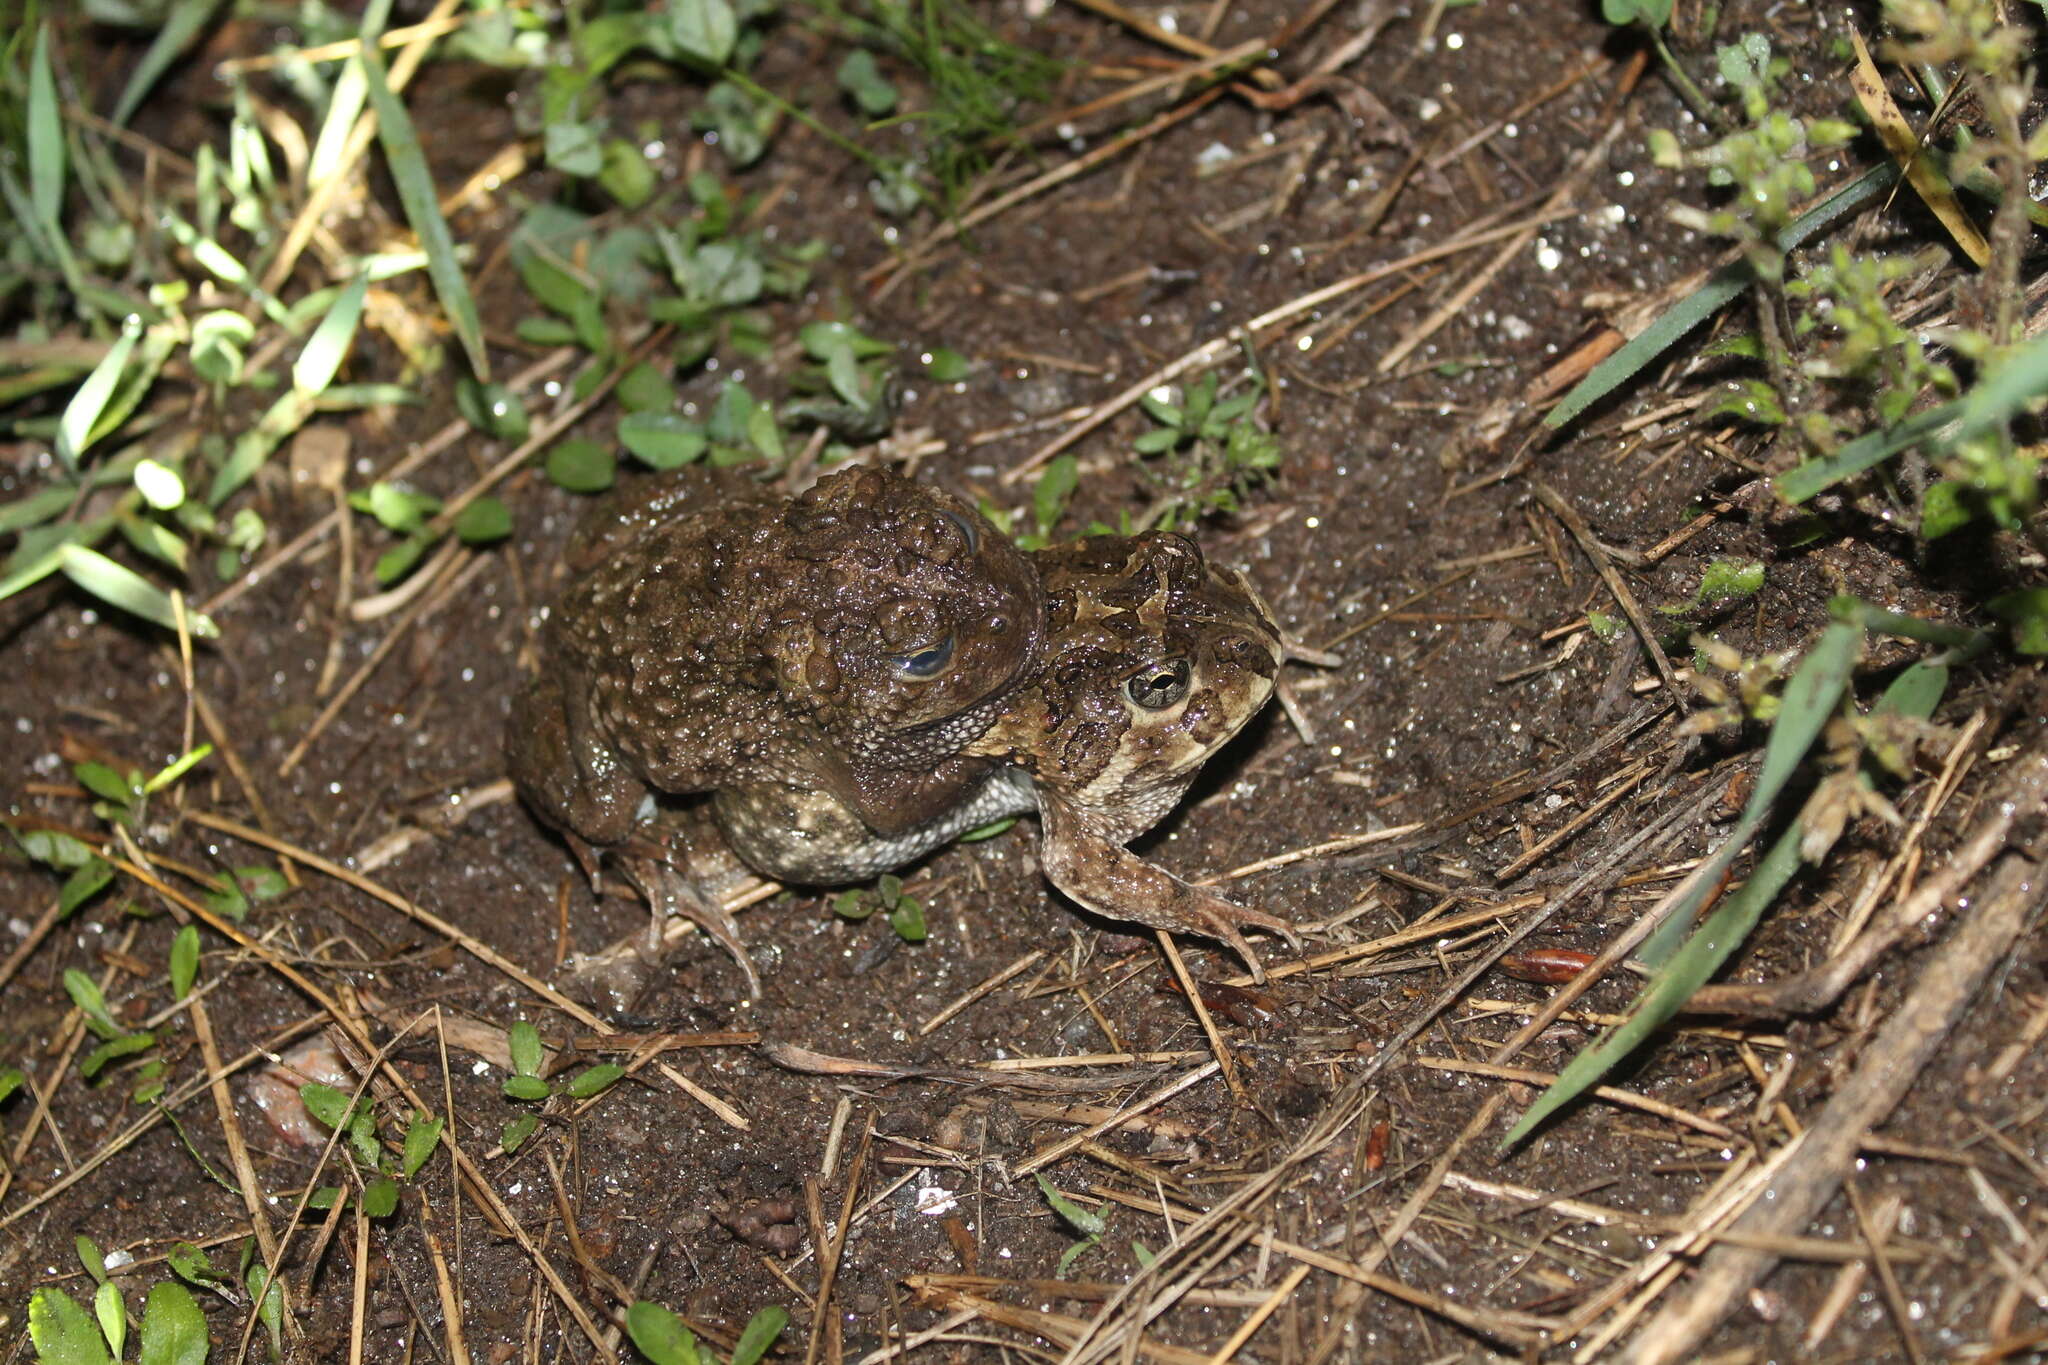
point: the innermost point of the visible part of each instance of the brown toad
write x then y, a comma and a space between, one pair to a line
713, 637
1155, 659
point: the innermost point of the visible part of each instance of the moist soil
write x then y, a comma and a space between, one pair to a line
1409, 533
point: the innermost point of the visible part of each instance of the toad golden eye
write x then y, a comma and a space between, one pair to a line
926, 662
1158, 686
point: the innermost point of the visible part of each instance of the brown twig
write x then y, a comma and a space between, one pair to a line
1943, 988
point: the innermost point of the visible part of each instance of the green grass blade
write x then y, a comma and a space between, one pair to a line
45, 137
2019, 377
1720, 289
122, 587
1809, 700
33, 572
74, 428
34, 508
1709, 947
1798, 484
181, 26
415, 183
315, 368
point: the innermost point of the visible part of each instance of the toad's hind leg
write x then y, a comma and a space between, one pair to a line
1113, 881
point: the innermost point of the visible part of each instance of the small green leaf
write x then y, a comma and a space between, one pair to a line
127, 1045
625, 173
595, 1080
483, 522
270, 1309
64, 1333
662, 440
89, 1256
517, 1132
1728, 578
1083, 1221
759, 1334
328, 1106
494, 410
400, 560
85, 993
906, 917
1916, 691
861, 78
122, 587
191, 1264
2026, 611
526, 1088
987, 831
421, 1135
523, 1041
177, 768
395, 508
82, 885
318, 363
184, 961
417, 192
11, 1080
852, 905
947, 365
113, 1315
173, 1328
159, 485
1648, 13
704, 29
45, 135
581, 466
380, 1197
54, 848
660, 1335
82, 413
103, 782
1054, 487
1943, 508
644, 388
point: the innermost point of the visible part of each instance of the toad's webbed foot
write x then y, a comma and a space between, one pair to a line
1112, 881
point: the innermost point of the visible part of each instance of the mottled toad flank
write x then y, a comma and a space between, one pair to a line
1155, 660
847, 643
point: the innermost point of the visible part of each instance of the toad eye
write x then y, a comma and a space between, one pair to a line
967, 531
1158, 686
926, 662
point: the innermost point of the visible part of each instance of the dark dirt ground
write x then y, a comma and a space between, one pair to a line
1363, 544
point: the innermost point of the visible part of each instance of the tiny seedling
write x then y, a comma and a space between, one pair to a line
1091, 1226
905, 913
1211, 451
377, 1169
63, 1333
1725, 581
664, 1339
529, 1057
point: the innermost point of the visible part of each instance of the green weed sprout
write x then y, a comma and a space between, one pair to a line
526, 1084
664, 1339
905, 913
1210, 452
173, 1330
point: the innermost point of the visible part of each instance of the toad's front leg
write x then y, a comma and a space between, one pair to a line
1113, 881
